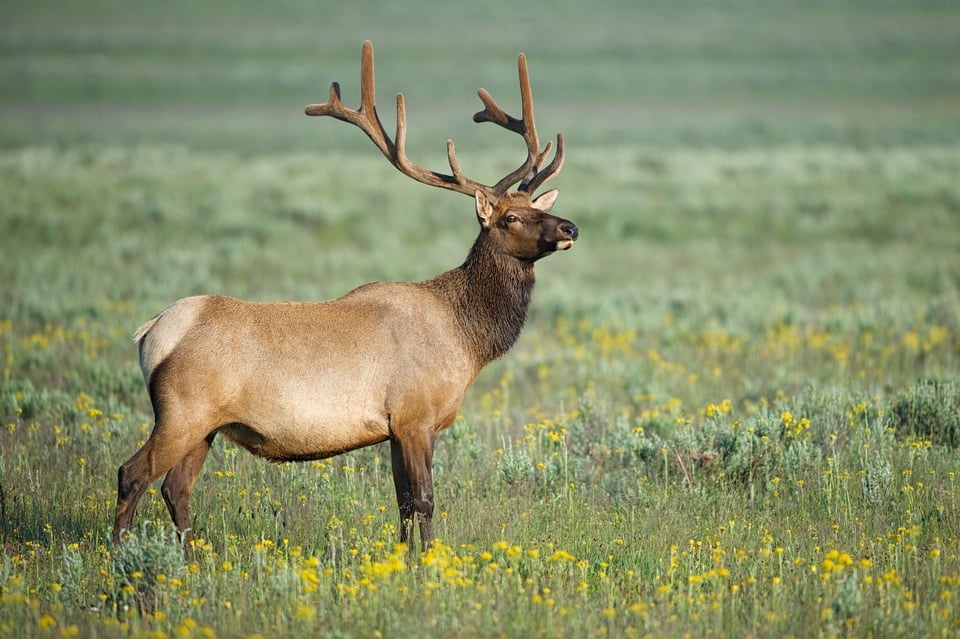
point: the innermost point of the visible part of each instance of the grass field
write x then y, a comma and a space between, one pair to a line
735, 408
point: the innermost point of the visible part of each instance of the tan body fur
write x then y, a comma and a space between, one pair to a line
319, 378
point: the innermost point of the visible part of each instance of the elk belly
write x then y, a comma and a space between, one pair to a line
303, 442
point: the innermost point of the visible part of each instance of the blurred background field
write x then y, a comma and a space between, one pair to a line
232, 75
735, 408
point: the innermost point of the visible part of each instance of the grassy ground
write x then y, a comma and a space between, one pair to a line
735, 409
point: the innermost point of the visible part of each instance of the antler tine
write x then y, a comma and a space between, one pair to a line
535, 182
526, 102
365, 118
493, 113
368, 87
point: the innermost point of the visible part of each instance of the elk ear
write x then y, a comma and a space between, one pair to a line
484, 209
545, 202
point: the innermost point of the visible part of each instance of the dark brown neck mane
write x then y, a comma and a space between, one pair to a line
490, 293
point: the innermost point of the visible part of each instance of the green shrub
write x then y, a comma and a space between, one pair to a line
145, 559
930, 410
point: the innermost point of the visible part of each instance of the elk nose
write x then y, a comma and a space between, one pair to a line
570, 230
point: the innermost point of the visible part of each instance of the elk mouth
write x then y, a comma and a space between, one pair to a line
563, 245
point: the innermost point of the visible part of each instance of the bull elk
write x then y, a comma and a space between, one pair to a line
388, 361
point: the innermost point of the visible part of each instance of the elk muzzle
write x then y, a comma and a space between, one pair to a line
567, 234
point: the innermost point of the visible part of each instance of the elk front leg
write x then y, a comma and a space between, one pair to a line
412, 460
402, 485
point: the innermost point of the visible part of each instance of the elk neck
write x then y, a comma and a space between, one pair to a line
489, 293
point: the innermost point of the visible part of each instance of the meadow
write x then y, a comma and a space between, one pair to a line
735, 407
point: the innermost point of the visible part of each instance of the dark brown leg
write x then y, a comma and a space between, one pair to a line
415, 487
178, 485
402, 485
155, 458
133, 478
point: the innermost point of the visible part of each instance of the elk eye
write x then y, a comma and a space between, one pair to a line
510, 219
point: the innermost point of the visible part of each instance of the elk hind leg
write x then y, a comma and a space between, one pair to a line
178, 486
158, 455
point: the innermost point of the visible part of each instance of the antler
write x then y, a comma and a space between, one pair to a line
528, 173
366, 119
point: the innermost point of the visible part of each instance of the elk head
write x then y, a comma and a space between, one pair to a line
523, 228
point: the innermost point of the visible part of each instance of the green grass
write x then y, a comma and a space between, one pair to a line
734, 410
